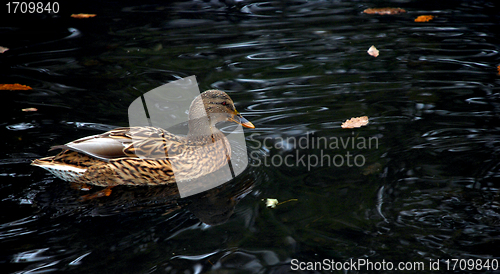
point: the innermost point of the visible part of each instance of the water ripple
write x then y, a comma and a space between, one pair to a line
273, 55
293, 68
21, 126
17, 228
86, 125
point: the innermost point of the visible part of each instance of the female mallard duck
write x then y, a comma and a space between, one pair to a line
149, 155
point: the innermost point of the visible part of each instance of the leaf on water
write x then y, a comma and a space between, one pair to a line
271, 203
14, 87
3, 49
29, 109
384, 11
82, 15
498, 69
371, 169
424, 18
373, 51
355, 122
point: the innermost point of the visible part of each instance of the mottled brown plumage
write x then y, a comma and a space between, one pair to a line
149, 155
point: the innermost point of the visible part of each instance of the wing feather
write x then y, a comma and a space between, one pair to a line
134, 142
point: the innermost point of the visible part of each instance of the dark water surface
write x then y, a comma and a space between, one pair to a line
425, 189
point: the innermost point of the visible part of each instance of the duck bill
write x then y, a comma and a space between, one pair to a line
246, 123
242, 121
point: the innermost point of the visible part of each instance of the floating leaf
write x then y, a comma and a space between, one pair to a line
371, 169
271, 202
384, 11
29, 109
82, 15
498, 69
355, 122
14, 87
2, 49
373, 51
424, 18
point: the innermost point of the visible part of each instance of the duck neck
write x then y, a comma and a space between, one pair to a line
202, 129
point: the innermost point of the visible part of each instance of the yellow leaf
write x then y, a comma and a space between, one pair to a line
82, 15
3, 49
14, 87
373, 51
355, 122
424, 18
271, 202
384, 11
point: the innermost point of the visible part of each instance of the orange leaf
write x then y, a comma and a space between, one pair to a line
373, 51
14, 87
424, 18
355, 122
29, 109
82, 15
384, 11
3, 49
498, 69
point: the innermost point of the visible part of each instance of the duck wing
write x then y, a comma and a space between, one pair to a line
106, 146
126, 142
154, 143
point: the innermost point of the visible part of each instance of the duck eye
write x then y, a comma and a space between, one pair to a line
224, 103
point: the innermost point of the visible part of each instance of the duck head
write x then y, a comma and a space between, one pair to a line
218, 107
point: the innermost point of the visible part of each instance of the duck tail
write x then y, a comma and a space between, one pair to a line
62, 171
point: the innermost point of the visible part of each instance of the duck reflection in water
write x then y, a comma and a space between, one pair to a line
211, 207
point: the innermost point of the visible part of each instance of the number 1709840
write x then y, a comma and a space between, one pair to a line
32, 7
